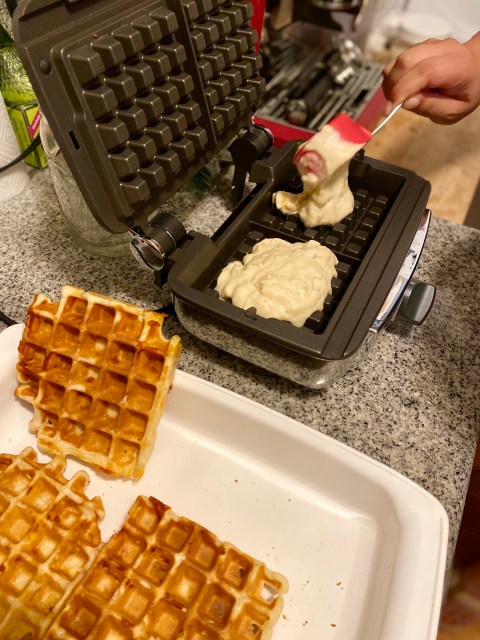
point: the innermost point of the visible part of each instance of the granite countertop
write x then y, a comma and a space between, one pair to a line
413, 403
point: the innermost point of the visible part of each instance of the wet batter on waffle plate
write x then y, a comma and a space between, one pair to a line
280, 279
323, 163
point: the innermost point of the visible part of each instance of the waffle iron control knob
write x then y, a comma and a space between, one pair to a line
154, 241
416, 302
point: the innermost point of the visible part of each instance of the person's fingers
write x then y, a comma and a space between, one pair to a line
412, 103
439, 108
387, 69
387, 109
426, 49
425, 54
437, 79
418, 52
438, 73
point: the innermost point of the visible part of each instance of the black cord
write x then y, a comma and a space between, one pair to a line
169, 309
8, 321
33, 145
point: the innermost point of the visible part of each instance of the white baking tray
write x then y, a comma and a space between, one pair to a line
363, 547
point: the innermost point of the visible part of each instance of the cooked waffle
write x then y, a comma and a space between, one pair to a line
97, 372
164, 576
49, 535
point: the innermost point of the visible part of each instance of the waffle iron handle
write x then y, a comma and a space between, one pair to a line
409, 298
245, 150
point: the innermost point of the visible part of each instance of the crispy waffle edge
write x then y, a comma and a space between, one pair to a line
49, 537
160, 575
165, 576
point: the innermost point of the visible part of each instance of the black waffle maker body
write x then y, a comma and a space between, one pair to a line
140, 96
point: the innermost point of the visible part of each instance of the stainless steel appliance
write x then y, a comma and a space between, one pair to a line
140, 98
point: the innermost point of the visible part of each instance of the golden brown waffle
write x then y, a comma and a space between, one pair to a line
49, 536
163, 576
97, 372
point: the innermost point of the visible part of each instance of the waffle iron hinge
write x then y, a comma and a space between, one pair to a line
253, 153
154, 241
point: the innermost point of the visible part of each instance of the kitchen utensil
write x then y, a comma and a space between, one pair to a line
350, 53
340, 81
385, 120
351, 131
339, 64
299, 110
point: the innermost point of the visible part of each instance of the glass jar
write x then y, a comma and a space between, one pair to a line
81, 223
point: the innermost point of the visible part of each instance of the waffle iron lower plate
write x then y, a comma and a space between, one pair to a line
371, 245
368, 565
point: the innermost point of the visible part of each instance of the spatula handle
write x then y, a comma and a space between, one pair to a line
392, 113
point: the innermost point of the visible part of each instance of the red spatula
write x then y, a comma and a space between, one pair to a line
351, 131
350, 134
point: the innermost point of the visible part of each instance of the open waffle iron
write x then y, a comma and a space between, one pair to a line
140, 98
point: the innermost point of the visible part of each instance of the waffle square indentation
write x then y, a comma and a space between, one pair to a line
132, 79
167, 620
142, 576
140, 583
48, 537
132, 424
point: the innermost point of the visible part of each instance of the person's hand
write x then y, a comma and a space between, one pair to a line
439, 79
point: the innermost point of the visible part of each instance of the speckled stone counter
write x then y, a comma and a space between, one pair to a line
413, 403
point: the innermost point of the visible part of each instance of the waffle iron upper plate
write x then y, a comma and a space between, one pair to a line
139, 96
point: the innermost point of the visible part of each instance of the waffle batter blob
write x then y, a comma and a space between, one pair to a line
283, 280
322, 163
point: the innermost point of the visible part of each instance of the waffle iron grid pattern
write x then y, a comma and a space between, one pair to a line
224, 46
49, 534
349, 239
164, 576
139, 96
97, 372
165, 91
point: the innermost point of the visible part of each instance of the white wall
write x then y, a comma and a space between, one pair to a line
463, 15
